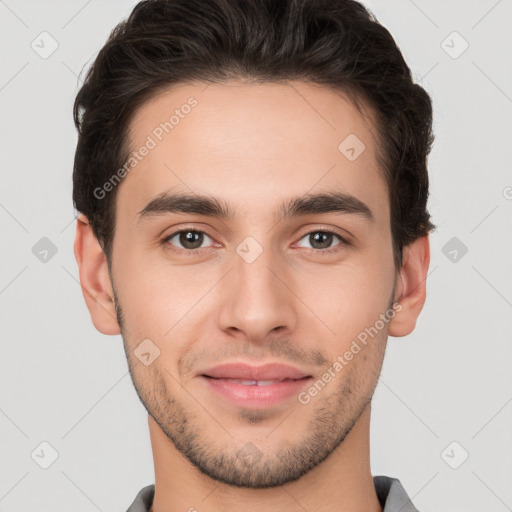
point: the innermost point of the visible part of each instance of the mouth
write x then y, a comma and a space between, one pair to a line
255, 394
250, 382
246, 373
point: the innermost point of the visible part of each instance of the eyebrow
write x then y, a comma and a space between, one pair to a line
330, 202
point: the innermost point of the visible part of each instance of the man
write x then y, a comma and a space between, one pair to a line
252, 182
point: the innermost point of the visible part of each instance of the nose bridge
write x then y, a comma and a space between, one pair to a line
256, 300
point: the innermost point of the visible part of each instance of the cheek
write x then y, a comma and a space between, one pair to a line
158, 299
348, 296
142, 294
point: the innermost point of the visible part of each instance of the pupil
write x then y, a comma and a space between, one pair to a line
193, 238
324, 239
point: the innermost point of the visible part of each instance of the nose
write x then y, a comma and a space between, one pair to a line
257, 299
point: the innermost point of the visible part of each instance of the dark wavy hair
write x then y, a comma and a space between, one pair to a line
335, 43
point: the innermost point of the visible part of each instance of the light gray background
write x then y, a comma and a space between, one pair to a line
68, 385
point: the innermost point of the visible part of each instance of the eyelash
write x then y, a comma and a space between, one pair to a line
193, 252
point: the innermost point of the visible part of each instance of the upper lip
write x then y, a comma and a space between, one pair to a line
242, 371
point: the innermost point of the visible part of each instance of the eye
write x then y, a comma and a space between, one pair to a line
321, 240
189, 239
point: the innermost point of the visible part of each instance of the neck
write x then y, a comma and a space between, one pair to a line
343, 482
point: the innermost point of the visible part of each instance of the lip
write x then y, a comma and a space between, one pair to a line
253, 396
269, 371
291, 381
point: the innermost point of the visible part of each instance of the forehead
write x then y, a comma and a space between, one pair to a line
252, 145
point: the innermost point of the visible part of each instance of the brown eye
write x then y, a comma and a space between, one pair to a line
187, 239
323, 240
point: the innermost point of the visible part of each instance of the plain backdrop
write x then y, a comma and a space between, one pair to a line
442, 411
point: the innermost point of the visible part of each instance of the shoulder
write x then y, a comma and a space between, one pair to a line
392, 495
143, 500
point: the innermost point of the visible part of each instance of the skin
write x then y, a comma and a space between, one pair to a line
254, 146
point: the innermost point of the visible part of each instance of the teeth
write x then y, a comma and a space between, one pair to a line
266, 382
254, 382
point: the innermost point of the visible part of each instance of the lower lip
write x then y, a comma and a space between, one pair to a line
256, 397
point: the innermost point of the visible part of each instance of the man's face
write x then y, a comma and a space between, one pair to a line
255, 287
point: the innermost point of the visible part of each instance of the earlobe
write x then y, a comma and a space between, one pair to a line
411, 287
94, 278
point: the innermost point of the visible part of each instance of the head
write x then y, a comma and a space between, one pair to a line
253, 127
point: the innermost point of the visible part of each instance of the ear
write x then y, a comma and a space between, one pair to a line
411, 287
94, 278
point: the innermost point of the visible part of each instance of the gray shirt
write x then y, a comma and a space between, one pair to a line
391, 494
